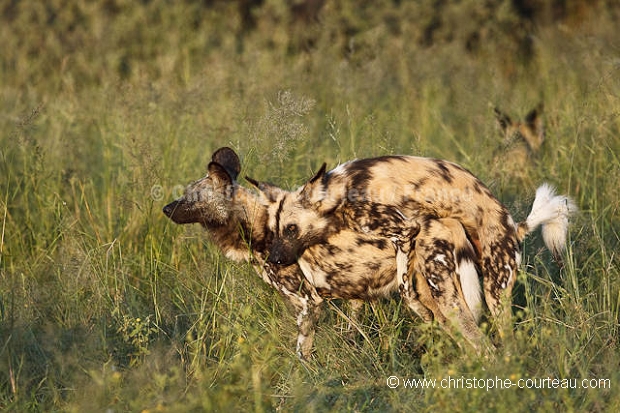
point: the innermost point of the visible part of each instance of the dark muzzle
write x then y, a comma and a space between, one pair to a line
282, 253
169, 209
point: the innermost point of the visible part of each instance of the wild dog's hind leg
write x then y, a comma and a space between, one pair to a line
405, 274
447, 280
499, 279
353, 325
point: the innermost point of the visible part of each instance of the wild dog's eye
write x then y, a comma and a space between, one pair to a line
290, 230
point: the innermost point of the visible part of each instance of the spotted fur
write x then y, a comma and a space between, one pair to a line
344, 264
443, 262
362, 266
237, 224
394, 197
347, 264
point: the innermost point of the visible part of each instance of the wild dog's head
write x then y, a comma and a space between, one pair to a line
531, 131
209, 200
299, 219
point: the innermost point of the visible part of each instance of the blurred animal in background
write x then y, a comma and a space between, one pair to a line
522, 141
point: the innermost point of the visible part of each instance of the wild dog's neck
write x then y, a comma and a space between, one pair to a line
244, 234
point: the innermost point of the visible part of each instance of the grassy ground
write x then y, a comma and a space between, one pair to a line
109, 109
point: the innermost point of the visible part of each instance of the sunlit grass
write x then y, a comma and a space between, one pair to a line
106, 304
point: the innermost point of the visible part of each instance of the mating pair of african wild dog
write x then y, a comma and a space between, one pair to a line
425, 228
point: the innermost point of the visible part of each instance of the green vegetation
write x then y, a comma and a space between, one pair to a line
110, 107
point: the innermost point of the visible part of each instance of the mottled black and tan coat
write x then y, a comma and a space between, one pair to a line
344, 264
396, 197
237, 224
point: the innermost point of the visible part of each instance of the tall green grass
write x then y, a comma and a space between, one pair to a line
109, 109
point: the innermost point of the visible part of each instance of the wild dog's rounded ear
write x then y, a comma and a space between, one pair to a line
534, 120
269, 191
229, 160
309, 191
319, 174
219, 174
502, 119
534, 113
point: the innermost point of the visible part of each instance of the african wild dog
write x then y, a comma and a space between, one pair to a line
346, 264
522, 142
394, 197
530, 132
350, 264
237, 223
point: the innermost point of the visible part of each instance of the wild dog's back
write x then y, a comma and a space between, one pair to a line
387, 196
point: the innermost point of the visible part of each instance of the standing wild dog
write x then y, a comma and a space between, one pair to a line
394, 197
345, 264
528, 134
522, 142
237, 223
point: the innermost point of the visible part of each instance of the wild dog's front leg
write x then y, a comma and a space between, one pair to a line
307, 315
304, 300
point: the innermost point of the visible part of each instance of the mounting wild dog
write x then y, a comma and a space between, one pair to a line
395, 197
350, 264
345, 264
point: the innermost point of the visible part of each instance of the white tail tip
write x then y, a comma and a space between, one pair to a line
552, 212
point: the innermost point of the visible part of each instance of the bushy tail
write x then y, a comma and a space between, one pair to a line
552, 212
